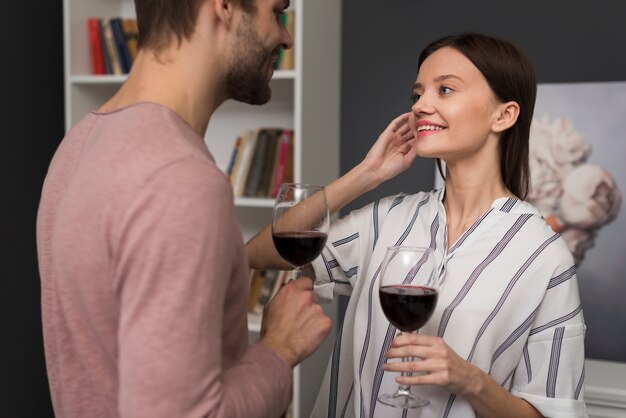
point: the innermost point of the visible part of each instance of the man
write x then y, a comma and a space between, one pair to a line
143, 268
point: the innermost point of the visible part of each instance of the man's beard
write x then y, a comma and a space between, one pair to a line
247, 79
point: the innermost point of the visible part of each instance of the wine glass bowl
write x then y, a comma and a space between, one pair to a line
408, 293
299, 235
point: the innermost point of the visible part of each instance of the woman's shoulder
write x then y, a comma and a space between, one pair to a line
410, 200
537, 229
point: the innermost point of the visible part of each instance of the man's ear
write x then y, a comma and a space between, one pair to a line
506, 116
223, 10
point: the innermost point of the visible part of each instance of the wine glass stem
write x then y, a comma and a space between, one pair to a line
404, 389
297, 272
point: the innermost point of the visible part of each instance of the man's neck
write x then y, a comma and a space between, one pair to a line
172, 78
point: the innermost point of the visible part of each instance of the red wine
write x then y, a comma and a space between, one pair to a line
408, 307
299, 248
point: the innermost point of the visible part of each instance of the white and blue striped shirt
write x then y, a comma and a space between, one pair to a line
508, 303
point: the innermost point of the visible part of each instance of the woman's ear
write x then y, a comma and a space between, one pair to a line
506, 116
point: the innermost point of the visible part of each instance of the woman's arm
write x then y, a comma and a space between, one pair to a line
392, 153
441, 366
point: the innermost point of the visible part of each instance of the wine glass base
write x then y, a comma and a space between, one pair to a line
402, 399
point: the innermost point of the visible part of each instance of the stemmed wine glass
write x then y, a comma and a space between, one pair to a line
300, 222
408, 292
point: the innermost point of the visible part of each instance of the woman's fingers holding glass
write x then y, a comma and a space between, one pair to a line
422, 371
303, 283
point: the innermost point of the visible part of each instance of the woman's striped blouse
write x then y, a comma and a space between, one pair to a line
508, 303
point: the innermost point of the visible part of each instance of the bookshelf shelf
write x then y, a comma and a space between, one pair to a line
119, 79
305, 100
251, 202
97, 79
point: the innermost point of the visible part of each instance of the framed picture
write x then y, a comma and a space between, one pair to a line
578, 174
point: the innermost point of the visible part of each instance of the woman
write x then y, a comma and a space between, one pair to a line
506, 338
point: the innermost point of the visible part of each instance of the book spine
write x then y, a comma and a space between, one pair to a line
283, 151
267, 164
95, 43
256, 165
108, 67
267, 290
131, 34
120, 43
288, 176
233, 157
244, 167
110, 46
241, 143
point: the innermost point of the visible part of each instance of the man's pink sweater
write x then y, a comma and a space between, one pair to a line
145, 279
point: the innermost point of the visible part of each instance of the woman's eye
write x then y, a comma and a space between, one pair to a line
415, 97
445, 90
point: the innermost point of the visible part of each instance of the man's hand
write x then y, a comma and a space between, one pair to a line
294, 324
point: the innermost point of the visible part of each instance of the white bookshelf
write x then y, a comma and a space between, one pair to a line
306, 100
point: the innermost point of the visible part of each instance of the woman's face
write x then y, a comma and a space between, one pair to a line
454, 108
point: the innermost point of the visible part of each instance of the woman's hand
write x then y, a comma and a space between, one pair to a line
393, 152
436, 363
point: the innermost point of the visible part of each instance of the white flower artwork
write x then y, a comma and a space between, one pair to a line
575, 196
578, 177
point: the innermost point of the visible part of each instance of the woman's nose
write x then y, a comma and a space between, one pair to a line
423, 105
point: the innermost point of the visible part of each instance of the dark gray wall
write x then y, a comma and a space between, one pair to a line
567, 41
31, 120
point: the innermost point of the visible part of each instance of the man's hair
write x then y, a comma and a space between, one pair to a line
511, 77
160, 21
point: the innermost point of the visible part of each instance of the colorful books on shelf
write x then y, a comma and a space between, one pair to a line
112, 43
263, 286
286, 59
261, 160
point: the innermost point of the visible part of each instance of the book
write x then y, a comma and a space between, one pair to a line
261, 294
108, 68
267, 164
95, 46
270, 277
120, 44
256, 164
283, 173
131, 35
239, 145
233, 158
111, 48
244, 164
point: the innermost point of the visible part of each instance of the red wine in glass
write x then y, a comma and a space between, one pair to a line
408, 307
408, 293
300, 222
299, 248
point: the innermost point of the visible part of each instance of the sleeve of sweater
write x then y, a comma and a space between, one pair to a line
174, 266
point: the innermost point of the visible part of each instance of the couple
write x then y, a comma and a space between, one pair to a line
144, 301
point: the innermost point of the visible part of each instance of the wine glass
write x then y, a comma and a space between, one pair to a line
300, 222
408, 294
